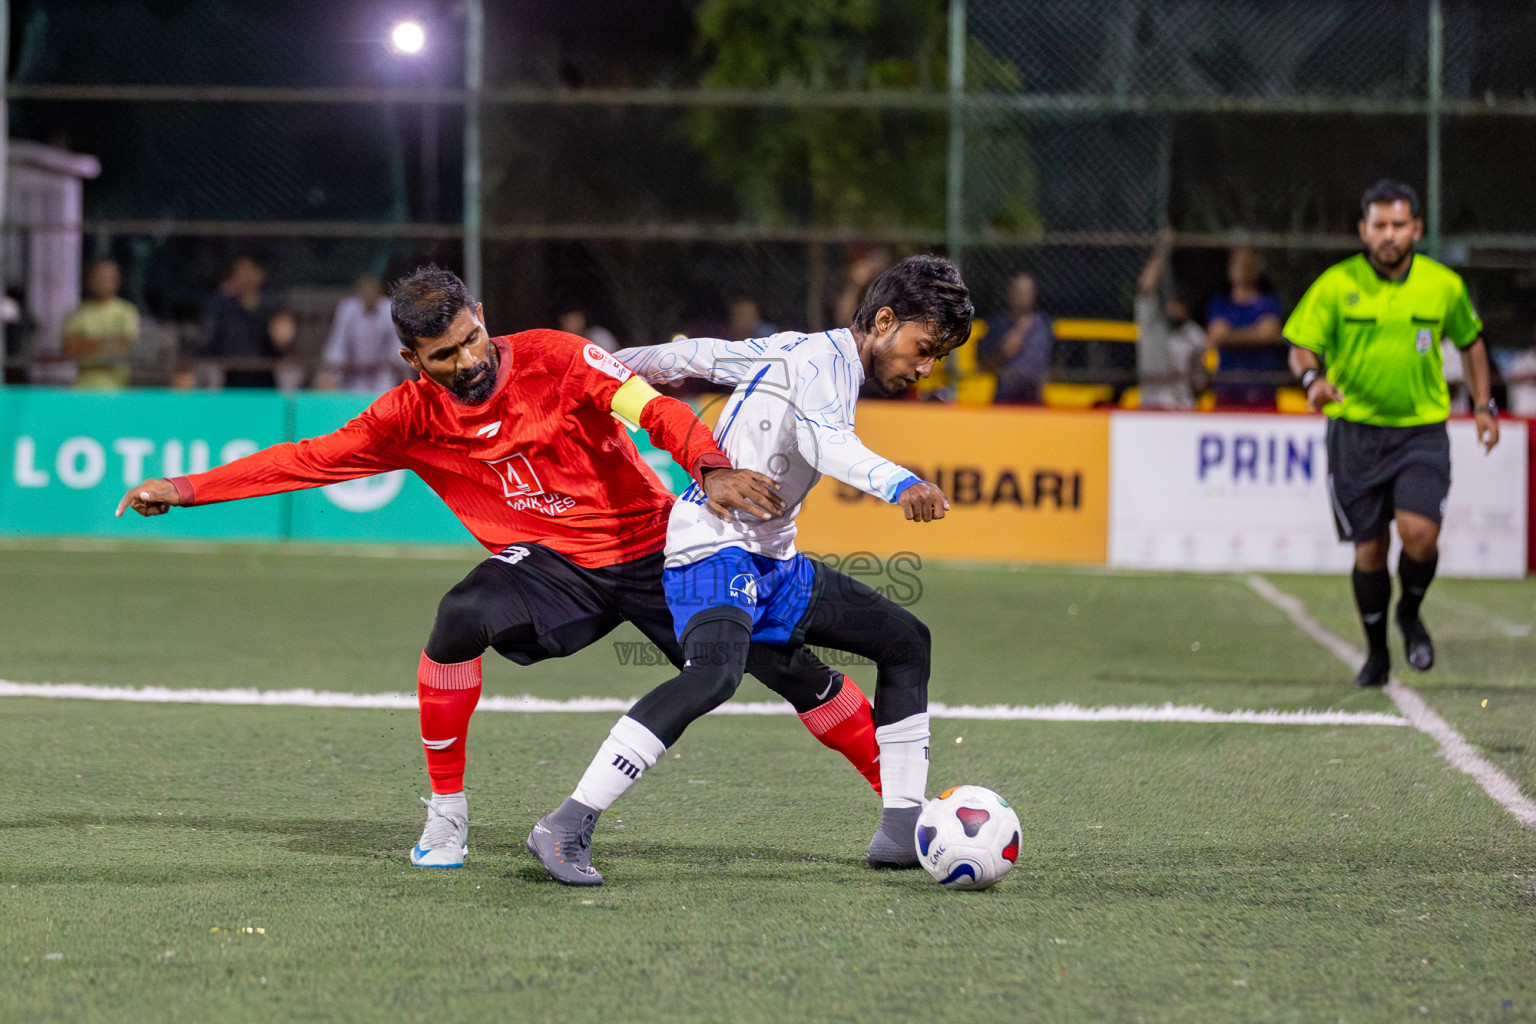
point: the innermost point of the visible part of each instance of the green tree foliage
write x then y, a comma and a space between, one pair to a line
852, 168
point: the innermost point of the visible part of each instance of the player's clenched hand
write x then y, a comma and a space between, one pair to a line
150, 498
1321, 393
923, 502
742, 490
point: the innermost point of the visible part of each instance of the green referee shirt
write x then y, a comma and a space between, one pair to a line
1380, 339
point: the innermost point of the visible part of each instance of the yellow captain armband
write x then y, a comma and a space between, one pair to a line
631, 399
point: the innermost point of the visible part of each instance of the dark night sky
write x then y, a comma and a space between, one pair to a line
285, 42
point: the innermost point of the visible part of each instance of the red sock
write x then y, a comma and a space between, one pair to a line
846, 724
447, 695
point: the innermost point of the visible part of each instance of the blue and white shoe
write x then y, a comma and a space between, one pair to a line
445, 840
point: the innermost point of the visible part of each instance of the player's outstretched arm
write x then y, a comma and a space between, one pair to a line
153, 497
716, 360
361, 448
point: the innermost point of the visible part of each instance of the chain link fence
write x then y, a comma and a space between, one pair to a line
651, 163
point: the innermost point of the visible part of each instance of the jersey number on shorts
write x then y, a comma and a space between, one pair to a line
514, 554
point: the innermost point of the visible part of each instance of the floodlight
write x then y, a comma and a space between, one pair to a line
408, 37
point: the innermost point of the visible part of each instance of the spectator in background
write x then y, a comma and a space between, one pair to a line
864, 265
100, 333
234, 329
14, 325
1520, 375
573, 320
1244, 326
1017, 346
282, 330
362, 352
746, 320
958, 378
1169, 345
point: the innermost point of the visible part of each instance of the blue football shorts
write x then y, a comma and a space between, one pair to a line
774, 594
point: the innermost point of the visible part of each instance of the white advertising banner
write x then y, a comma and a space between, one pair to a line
1217, 492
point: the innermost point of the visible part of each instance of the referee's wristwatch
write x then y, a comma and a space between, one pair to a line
1308, 378
1492, 408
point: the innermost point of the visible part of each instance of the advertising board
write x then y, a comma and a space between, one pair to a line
1249, 492
1023, 485
70, 455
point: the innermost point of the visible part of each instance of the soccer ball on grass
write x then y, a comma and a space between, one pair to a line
967, 837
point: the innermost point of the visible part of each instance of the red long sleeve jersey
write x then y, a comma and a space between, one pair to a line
542, 460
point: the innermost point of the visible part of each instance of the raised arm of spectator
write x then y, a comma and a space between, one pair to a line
1152, 273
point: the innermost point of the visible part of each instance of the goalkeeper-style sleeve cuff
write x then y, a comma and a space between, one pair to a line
185, 493
709, 461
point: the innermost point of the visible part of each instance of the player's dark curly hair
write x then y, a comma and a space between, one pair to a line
922, 288
423, 303
1389, 190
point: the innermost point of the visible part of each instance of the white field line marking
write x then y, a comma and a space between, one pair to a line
1513, 630
468, 551
1453, 746
614, 705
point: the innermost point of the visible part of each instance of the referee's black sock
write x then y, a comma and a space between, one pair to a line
1373, 592
1415, 576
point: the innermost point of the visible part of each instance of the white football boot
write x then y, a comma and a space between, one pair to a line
445, 840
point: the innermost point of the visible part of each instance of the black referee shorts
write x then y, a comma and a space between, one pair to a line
1373, 472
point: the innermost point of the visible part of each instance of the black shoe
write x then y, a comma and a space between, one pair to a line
1374, 673
1417, 644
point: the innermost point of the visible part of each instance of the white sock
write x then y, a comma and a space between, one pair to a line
452, 803
628, 751
904, 761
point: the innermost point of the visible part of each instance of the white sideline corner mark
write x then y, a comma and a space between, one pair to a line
614, 705
1454, 747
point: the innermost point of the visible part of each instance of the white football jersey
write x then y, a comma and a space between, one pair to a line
790, 418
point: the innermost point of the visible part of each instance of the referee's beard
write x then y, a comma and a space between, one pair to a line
1389, 258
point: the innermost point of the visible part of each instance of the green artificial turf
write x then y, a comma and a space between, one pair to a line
188, 862
1477, 659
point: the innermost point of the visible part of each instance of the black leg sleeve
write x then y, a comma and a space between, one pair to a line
796, 674
850, 616
716, 655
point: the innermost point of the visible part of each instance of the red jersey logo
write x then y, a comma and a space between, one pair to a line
603, 361
524, 492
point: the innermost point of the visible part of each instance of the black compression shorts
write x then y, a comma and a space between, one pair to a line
1374, 472
530, 603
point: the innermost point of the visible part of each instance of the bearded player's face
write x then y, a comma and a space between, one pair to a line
461, 359
1390, 231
